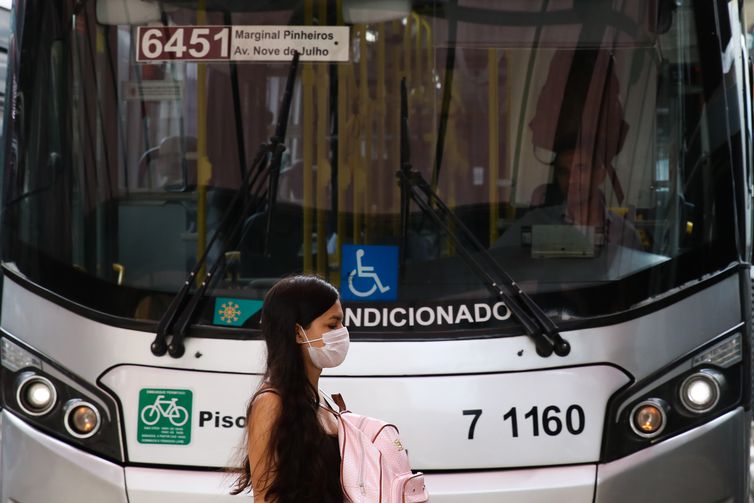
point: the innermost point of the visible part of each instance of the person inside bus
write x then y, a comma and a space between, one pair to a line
579, 119
292, 452
576, 197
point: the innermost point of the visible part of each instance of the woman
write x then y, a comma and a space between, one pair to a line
292, 443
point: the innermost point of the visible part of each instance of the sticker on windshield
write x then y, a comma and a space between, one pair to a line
164, 416
234, 312
242, 43
152, 90
369, 272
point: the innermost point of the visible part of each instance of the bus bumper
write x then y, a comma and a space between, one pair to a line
38, 468
568, 484
707, 464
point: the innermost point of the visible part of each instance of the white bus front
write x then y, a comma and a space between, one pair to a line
132, 126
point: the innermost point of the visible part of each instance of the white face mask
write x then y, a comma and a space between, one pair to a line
333, 352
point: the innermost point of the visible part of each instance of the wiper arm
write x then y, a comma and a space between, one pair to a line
250, 196
245, 192
535, 321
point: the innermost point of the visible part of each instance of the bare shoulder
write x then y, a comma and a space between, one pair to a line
265, 408
264, 413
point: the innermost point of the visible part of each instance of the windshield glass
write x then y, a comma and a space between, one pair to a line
590, 147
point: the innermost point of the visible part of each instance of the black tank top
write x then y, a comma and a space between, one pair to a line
333, 489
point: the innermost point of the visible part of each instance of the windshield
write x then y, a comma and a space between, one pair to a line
591, 147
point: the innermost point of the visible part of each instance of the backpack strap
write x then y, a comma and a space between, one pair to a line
337, 400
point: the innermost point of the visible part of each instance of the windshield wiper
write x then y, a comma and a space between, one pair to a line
414, 187
251, 195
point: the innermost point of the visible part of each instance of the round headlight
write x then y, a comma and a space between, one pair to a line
35, 394
82, 419
649, 418
700, 392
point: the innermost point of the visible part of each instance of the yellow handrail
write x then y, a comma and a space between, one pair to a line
407, 51
308, 151
343, 138
323, 162
418, 49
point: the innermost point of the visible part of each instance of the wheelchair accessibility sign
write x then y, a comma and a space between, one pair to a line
369, 272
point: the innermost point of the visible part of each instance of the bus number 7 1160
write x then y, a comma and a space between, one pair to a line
550, 421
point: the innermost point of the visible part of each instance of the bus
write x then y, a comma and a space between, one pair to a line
537, 213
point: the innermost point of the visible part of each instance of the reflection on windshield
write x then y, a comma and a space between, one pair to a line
579, 121
584, 146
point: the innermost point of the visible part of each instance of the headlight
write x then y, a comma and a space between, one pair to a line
700, 391
58, 403
35, 394
81, 419
649, 418
686, 394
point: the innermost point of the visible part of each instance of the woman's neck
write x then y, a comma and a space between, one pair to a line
313, 373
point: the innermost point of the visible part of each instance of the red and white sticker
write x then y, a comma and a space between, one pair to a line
242, 43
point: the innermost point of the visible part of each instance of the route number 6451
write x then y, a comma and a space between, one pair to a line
163, 43
552, 420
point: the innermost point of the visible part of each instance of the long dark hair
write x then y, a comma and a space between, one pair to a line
299, 454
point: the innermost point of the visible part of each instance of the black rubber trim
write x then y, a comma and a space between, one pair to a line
216, 332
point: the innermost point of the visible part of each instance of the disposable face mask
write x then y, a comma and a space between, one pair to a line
333, 352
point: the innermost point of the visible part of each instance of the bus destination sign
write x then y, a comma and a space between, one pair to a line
242, 43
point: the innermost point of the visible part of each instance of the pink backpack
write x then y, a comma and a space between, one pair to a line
374, 463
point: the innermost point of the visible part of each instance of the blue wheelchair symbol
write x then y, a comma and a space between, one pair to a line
369, 272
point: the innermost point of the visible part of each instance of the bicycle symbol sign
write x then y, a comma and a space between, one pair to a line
162, 407
164, 416
369, 272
